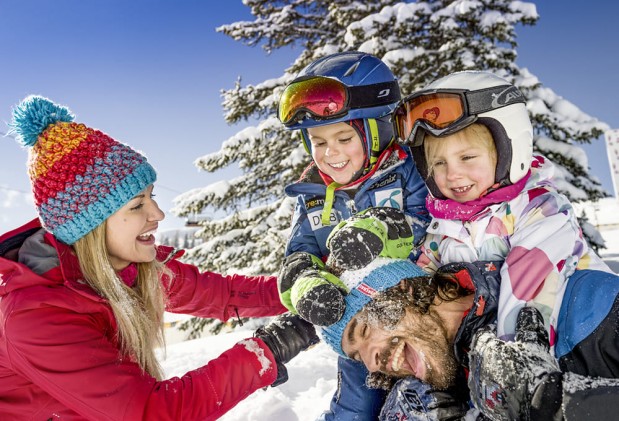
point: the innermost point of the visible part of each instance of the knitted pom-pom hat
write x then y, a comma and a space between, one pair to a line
80, 176
364, 283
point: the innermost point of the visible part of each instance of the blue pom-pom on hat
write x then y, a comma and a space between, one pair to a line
33, 115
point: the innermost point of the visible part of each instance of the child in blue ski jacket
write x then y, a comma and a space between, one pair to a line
341, 105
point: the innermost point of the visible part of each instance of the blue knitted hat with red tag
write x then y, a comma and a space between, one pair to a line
364, 284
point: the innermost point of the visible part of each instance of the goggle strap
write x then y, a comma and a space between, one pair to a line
305, 141
373, 95
374, 140
490, 99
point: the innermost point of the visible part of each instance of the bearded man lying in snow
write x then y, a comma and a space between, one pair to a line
429, 337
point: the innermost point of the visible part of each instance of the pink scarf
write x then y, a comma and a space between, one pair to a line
450, 209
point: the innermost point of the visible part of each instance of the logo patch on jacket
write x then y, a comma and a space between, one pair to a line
391, 198
313, 203
382, 183
315, 219
388, 192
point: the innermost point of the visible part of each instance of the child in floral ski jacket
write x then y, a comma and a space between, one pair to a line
492, 200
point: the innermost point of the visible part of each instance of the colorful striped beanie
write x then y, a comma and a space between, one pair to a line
380, 275
80, 176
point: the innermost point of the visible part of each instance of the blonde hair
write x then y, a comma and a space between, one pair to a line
475, 134
138, 310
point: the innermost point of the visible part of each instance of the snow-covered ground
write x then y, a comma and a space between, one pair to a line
312, 374
309, 390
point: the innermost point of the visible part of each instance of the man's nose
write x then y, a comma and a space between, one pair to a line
371, 358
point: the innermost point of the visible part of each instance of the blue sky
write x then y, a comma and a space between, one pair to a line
149, 73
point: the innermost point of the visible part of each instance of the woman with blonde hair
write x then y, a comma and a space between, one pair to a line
83, 290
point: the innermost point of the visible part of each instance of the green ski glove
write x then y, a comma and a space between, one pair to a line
293, 266
306, 288
318, 297
371, 233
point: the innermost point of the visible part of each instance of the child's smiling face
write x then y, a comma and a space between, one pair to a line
337, 150
462, 165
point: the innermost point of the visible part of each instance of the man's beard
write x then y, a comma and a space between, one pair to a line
429, 330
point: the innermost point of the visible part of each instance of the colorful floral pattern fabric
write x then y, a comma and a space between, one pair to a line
536, 234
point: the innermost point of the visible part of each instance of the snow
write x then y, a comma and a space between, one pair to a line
312, 374
309, 390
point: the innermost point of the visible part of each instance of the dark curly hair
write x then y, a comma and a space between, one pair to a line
417, 294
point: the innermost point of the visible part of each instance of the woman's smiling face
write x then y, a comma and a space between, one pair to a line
130, 231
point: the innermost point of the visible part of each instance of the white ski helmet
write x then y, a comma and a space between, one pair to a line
485, 99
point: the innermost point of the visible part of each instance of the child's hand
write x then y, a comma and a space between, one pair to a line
508, 380
357, 241
318, 297
307, 289
293, 266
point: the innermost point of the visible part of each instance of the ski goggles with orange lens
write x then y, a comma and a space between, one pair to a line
444, 111
325, 98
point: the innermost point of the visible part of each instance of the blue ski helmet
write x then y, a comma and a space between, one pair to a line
371, 90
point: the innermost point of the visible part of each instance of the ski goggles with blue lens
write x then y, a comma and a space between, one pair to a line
326, 98
444, 111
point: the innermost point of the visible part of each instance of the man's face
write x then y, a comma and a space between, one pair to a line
417, 345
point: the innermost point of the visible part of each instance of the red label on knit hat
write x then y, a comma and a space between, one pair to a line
365, 289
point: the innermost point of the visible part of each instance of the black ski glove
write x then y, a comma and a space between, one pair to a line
517, 380
286, 336
357, 241
294, 265
307, 288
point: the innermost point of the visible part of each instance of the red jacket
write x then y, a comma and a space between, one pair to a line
59, 356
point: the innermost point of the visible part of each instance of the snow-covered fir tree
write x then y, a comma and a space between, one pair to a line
420, 41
